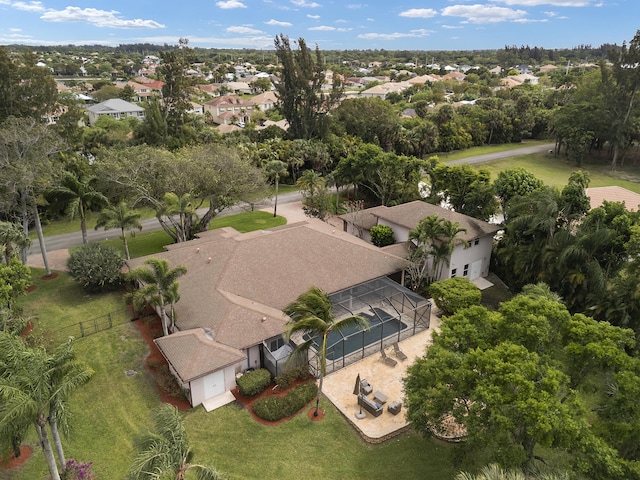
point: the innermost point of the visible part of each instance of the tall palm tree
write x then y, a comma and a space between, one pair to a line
81, 196
309, 182
158, 287
120, 216
12, 238
276, 169
311, 314
34, 386
165, 453
178, 212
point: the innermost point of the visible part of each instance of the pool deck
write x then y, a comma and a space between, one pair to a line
338, 387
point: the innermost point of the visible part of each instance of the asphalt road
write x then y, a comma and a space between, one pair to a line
67, 240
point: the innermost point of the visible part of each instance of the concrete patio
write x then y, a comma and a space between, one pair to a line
338, 386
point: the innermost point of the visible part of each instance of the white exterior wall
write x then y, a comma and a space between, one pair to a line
467, 256
200, 385
253, 358
400, 233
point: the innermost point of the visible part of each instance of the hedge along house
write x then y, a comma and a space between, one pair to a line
471, 262
229, 317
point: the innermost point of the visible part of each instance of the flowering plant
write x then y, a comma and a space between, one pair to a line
74, 470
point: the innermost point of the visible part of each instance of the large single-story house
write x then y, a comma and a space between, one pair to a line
470, 262
230, 315
116, 108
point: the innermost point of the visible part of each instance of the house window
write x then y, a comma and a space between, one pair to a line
466, 270
276, 344
476, 241
454, 272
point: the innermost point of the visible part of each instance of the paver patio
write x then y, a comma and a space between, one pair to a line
338, 386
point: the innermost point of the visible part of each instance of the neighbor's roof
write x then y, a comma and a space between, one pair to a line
237, 284
408, 215
194, 353
613, 194
115, 105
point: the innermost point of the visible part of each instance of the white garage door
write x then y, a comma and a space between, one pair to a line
476, 269
214, 384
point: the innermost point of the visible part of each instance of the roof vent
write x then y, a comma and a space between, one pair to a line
208, 333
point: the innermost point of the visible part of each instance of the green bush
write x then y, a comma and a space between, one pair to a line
454, 294
277, 408
382, 235
285, 379
254, 382
96, 267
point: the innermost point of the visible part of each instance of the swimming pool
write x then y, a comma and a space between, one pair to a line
381, 325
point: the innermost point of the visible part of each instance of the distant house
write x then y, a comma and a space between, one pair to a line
471, 262
381, 91
239, 88
265, 101
228, 109
597, 195
116, 108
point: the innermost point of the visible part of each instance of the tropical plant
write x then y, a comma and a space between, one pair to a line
81, 196
12, 238
158, 287
120, 216
453, 294
96, 267
311, 314
382, 235
34, 389
165, 453
276, 169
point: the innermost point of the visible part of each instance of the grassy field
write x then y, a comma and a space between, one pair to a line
113, 407
472, 152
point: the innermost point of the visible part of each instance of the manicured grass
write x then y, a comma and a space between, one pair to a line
146, 243
472, 152
112, 408
249, 221
555, 170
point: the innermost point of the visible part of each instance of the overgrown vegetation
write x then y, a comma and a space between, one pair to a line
277, 408
96, 267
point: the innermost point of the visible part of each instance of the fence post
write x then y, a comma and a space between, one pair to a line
81, 329
110, 320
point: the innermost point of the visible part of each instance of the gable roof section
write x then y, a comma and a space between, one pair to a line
237, 284
408, 215
229, 100
613, 194
195, 353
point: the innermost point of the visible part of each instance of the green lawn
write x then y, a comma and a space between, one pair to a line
555, 170
113, 407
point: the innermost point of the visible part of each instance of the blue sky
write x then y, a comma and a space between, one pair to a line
333, 25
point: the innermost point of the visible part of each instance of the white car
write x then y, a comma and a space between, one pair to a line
240, 124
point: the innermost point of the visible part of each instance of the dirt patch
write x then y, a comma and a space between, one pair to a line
30, 288
27, 330
315, 418
49, 277
25, 454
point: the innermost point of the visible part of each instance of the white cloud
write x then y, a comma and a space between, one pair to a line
278, 23
99, 18
556, 3
243, 30
28, 6
15, 30
327, 28
315, 17
370, 19
304, 4
483, 13
419, 13
451, 26
531, 20
551, 14
393, 36
230, 4
355, 6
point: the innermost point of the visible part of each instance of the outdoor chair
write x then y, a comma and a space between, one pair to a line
388, 360
365, 387
399, 353
394, 407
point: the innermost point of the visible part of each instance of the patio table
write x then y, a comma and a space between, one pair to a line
380, 397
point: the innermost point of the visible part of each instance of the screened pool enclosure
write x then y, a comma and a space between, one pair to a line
393, 311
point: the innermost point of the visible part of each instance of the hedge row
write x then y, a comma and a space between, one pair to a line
277, 408
254, 382
284, 380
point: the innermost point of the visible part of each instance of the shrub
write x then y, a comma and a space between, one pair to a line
285, 379
254, 382
96, 267
74, 470
454, 294
382, 235
167, 382
277, 408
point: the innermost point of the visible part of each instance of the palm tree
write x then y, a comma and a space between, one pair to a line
165, 453
276, 169
158, 287
12, 238
34, 387
82, 197
311, 314
309, 182
120, 216
180, 213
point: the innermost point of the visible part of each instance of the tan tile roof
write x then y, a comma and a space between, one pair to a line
613, 194
409, 215
194, 353
237, 284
